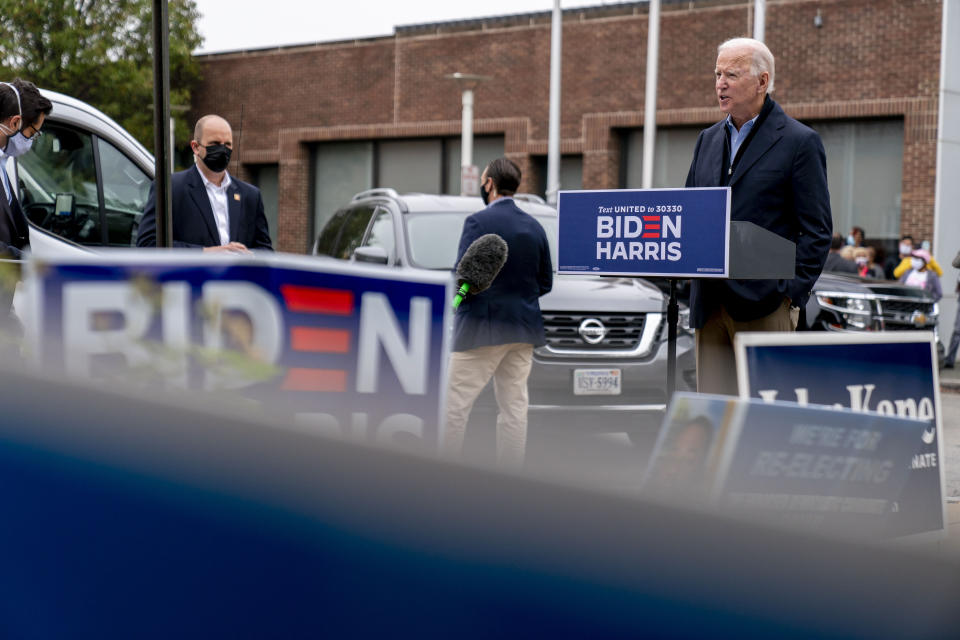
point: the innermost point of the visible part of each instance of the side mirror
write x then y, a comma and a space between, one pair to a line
376, 255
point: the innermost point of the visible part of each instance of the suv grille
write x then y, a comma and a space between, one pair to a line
899, 314
622, 331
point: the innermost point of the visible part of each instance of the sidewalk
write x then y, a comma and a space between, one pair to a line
950, 380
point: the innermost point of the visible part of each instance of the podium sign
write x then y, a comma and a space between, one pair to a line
678, 233
893, 374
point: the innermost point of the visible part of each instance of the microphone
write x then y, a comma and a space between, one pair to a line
480, 264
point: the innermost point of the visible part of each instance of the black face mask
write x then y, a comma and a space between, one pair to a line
217, 158
484, 194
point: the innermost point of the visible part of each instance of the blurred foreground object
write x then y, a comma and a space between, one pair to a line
142, 518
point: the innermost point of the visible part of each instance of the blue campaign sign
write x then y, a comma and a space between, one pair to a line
682, 233
891, 374
347, 349
828, 470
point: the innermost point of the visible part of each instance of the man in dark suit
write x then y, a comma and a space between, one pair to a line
495, 331
776, 168
211, 209
22, 112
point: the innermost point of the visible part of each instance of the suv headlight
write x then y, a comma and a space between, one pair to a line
854, 312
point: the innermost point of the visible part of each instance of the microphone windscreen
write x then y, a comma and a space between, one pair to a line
482, 261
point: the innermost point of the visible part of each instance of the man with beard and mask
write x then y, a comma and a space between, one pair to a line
496, 330
211, 209
22, 112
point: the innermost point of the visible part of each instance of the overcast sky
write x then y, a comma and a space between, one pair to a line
228, 25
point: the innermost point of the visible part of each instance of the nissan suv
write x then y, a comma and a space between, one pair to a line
605, 361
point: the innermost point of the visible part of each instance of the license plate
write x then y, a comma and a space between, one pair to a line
596, 382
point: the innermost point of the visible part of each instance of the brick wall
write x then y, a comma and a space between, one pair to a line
871, 58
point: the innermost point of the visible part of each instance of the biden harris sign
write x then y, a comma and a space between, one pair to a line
681, 233
346, 349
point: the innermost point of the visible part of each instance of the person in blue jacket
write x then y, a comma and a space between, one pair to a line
496, 330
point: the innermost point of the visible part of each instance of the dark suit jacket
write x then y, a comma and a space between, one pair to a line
14, 230
509, 311
779, 183
14, 238
193, 221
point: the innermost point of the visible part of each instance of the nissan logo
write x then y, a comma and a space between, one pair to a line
592, 331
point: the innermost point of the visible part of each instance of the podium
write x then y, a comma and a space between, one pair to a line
754, 253
671, 233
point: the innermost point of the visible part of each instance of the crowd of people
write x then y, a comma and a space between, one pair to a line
912, 265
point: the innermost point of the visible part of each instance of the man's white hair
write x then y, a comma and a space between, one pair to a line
761, 60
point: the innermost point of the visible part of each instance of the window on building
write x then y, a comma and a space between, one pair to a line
410, 165
672, 154
571, 174
485, 149
865, 175
266, 178
340, 170
424, 165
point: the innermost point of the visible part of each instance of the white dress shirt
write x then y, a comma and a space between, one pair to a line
219, 204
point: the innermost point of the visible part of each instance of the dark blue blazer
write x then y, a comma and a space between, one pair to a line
779, 183
193, 221
509, 311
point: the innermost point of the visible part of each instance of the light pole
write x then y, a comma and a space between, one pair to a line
469, 174
553, 125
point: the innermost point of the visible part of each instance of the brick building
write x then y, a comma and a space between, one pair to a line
323, 121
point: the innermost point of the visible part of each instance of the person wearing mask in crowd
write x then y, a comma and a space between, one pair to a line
875, 270
777, 171
495, 331
22, 112
904, 249
920, 276
955, 337
836, 262
863, 257
848, 252
905, 262
212, 210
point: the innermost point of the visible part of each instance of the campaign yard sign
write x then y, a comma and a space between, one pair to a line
679, 233
823, 469
351, 349
892, 374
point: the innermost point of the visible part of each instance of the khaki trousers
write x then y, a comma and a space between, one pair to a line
509, 365
716, 362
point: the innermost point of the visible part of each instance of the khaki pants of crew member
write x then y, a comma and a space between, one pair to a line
509, 365
716, 363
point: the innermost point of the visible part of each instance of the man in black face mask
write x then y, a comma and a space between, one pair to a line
211, 209
496, 330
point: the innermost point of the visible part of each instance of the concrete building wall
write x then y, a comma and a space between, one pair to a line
870, 58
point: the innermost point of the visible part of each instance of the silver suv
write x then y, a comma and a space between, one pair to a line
594, 324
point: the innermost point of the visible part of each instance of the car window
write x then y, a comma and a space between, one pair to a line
327, 239
381, 233
125, 191
435, 237
351, 234
62, 162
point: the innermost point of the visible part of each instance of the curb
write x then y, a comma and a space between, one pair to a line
952, 386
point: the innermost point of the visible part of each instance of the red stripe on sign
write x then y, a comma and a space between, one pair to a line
316, 300
315, 380
320, 340
651, 218
650, 235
